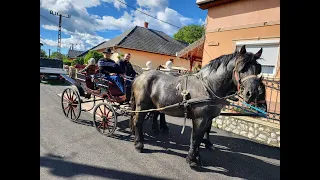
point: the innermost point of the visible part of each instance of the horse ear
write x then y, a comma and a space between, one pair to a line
243, 49
258, 54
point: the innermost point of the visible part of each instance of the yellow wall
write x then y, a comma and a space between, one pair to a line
243, 20
243, 12
140, 58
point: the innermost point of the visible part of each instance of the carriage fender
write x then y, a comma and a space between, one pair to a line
74, 83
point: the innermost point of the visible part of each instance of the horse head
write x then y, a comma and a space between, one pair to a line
245, 71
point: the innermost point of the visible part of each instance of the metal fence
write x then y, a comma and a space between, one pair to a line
272, 99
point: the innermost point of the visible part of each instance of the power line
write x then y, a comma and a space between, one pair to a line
148, 14
48, 19
160, 20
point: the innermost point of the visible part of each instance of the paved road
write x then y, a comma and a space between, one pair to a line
71, 150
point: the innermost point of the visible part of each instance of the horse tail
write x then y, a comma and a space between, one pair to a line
133, 108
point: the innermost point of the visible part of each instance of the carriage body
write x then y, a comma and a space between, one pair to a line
105, 113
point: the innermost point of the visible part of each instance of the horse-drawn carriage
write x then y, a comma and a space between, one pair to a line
105, 113
198, 96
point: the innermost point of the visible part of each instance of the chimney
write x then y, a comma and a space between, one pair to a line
146, 25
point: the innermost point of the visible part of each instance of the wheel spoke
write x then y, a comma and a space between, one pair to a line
68, 112
100, 125
66, 108
72, 97
71, 112
104, 111
101, 112
68, 94
74, 113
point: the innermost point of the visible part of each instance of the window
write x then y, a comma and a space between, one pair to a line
269, 55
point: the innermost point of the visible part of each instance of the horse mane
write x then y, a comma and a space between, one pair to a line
214, 64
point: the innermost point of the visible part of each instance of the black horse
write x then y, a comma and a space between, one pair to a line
259, 102
221, 76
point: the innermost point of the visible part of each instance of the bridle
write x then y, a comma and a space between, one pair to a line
240, 81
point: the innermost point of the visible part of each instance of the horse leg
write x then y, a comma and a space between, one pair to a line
198, 130
206, 138
155, 125
138, 131
163, 124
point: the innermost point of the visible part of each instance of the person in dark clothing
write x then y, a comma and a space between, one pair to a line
107, 66
126, 66
127, 69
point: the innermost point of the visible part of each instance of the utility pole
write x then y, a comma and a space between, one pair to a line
49, 53
59, 32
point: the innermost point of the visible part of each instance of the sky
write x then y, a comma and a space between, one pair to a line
95, 21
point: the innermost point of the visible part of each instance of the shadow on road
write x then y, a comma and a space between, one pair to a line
62, 168
233, 156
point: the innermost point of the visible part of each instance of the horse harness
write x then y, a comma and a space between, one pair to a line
186, 103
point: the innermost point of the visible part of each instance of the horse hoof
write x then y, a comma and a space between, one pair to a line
139, 147
193, 165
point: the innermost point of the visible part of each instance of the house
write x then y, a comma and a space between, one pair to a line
72, 54
233, 23
254, 23
193, 53
145, 45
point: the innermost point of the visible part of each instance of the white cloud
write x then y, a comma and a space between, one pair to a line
153, 4
83, 27
117, 4
81, 41
111, 23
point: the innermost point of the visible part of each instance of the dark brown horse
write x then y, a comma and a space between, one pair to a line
220, 77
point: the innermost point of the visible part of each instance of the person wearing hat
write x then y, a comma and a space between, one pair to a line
107, 66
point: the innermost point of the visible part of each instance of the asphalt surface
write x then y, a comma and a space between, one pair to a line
70, 150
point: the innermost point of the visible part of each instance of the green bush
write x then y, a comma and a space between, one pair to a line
67, 62
93, 54
78, 61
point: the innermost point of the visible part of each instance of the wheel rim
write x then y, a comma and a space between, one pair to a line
71, 105
105, 119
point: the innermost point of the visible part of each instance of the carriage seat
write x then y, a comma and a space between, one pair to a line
113, 88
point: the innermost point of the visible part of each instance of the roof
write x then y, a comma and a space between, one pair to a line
113, 42
203, 1
205, 4
192, 46
145, 39
73, 53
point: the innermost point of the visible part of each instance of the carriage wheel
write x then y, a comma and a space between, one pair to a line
71, 104
105, 119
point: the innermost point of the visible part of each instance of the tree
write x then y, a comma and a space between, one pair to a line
43, 53
57, 55
79, 60
93, 54
190, 33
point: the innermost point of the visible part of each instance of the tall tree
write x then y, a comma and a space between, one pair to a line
43, 53
190, 33
57, 55
92, 54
